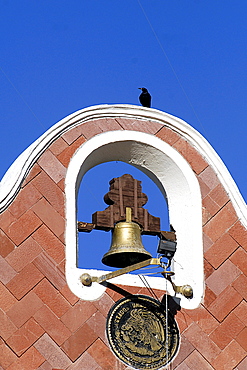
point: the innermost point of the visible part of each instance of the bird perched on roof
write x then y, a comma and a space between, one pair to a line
145, 97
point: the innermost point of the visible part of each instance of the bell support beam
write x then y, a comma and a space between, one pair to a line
87, 280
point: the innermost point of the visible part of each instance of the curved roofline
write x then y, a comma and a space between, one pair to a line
13, 178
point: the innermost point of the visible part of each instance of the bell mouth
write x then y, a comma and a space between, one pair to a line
124, 259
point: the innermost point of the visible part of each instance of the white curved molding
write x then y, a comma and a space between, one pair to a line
14, 177
178, 183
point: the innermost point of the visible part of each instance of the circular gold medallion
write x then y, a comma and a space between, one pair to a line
141, 333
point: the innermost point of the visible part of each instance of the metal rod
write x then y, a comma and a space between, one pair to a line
125, 270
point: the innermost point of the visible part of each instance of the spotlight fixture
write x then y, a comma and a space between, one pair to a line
167, 248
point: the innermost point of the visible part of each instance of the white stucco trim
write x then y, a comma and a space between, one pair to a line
175, 178
11, 182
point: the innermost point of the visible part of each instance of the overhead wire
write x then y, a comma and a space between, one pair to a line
171, 66
20, 95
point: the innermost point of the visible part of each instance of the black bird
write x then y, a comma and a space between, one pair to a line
145, 97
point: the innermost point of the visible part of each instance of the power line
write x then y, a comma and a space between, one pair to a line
170, 65
24, 101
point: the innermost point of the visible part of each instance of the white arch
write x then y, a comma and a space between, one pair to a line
171, 172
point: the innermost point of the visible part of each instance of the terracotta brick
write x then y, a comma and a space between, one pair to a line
61, 266
48, 241
239, 258
221, 250
58, 146
24, 281
6, 219
61, 184
203, 318
52, 298
150, 127
168, 135
78, 314
239, 233
202, 342
206, 216
108, 124
24, 337
229, 357
85, 362
225, 303
90, 129
78, 342
219, 195
50, 190
97, 323
209, 177
184, 351
192, 156
71, 297
242, 365
7, 327
24, 254
72, 134
242, 339
45, 366
49, 269
6, 245
196, 361
241, 312
50, 217
220, 223
222, 277
67, 154
207, 243
52, 325
6, 271
23, 227
23, 310
52, 166
52, 353
227, 331
30, 360
35, 170
209, 297
210, 205
205, 189
183, 320
208, 269
182, 366
104, 356
240, 284
7, 299
7, 357
104, 304
26, 198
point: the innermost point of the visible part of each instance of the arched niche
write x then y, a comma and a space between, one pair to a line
94, 185
178, 183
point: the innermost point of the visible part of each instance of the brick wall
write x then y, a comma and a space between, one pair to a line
44, 326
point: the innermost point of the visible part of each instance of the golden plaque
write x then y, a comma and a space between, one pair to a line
142, 333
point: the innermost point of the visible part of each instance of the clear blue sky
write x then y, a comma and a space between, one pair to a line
60, 56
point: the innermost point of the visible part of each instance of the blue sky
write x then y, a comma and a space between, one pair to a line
58, 57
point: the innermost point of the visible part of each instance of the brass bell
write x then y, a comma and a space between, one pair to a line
126, 247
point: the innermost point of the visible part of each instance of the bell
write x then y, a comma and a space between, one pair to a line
126, 247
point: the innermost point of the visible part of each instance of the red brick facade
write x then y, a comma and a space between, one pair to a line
45, 326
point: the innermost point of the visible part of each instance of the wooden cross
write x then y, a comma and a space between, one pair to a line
125, 191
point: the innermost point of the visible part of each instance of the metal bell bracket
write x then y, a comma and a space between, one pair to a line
185, 290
